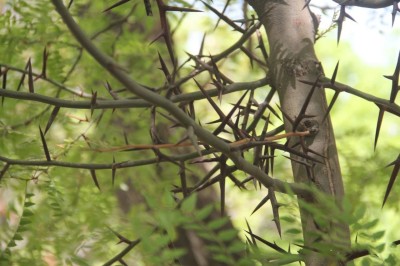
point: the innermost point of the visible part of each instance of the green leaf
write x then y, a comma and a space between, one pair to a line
189, 204
204, 212
227, 234
293, 231
207, 235
55, 205
370, 224
11, 243
237, 246
79, 261
6, 255
172, 254
22, 229
194, 226
214, 248
29, 195
217, 223
27, 213
223, 258
378, 235
25, 221
391, 260
17, 237
29, 204
360, 212
288, 219
245, 262
365, 262
380, 248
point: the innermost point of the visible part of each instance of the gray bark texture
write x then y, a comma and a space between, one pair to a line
291, 35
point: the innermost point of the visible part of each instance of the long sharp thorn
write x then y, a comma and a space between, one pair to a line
164, 68
275, 113
94, 177
202, 45
308, 98
126, 138
213, 104
4, 170
392, 179
147, 5
182, 174
223, 11
44, 65
113, 171
340, 20
306, 4
180, 9
259, 205
22, 78
395, 10
216, 72
222, 179
30, 77
236, 181
333, 79
158, 36
334, 98
222, 192
70, 4
378, 125
251, 233
275, 212
267, 243
45, 149
93, 102
116, 5
51, 119
227, 119
350, 17
224, 18
262, 46
4, 84
395, 81
4, 74
110, 90
272, 160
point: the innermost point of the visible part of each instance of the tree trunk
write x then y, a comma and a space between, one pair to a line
291, 35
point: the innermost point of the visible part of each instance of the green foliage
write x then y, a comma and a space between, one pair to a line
23, 226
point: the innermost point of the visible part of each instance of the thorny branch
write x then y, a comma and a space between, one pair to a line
180, 106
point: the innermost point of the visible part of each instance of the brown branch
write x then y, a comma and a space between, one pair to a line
235, 144
51, 81
129, 103
337, 86
366, 3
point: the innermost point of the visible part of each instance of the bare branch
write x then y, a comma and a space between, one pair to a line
366, 3
130, 103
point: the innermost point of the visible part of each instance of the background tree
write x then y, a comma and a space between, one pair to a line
197, 137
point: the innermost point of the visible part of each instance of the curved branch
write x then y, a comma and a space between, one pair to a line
51, 81
337, 86
366, 3
280, 186
129, 103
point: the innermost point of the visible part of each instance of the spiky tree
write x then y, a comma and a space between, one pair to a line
240, 142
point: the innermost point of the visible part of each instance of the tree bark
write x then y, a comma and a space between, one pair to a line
291, 36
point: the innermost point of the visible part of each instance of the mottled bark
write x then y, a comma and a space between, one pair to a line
290, 31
